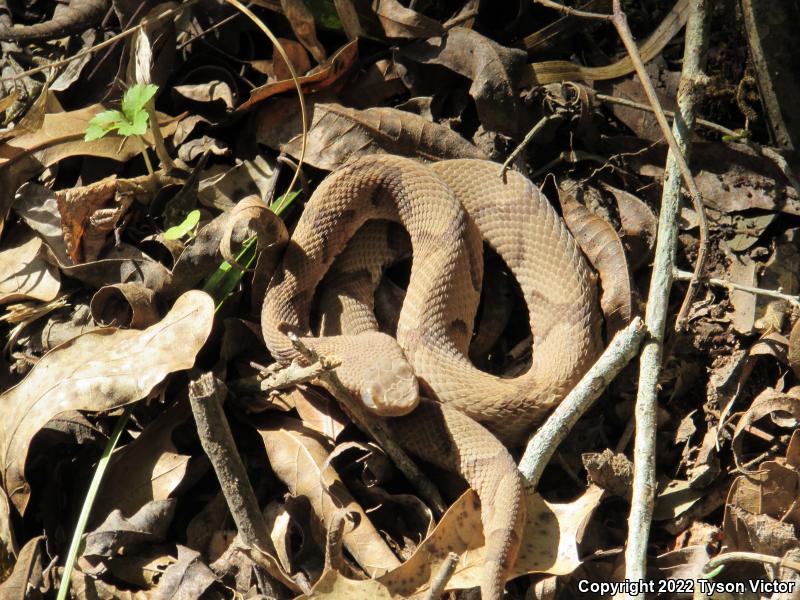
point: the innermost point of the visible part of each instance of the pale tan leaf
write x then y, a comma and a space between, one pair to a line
302, 22
550, 545
24, 273
401, 22
98, 371
300, 461
151, 467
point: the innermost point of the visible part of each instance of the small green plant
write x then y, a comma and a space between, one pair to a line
131, 120
740, 134
185, 227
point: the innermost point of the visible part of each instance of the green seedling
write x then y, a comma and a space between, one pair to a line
741, 134
186, 227
132, 120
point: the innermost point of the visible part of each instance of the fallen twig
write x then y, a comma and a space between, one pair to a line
644, 479
546, 440
730, 285
540, 125
443, 575
205, 396
294, 373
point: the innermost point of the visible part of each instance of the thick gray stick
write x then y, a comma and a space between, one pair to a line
546, 440
644, 478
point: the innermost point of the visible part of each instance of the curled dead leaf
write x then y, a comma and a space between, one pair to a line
129, 305
326, 75
301, 462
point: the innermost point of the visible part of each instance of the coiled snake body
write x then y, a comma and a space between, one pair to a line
448, 209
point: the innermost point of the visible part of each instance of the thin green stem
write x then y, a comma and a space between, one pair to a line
86, 510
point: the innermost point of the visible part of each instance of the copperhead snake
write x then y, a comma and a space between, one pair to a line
448, 209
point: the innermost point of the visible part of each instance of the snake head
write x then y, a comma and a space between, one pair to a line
390, 388
374, 369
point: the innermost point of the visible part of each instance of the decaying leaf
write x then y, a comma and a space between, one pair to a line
549, 545
98, 371
768, 402
300, 460
24, 273
151, 466
761, 512
27, 573
401, 22
338, 134
495, 73
85, 212
326, 75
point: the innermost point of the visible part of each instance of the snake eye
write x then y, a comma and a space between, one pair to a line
373, 396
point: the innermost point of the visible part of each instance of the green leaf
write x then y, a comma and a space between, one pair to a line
136, 127
135, 98
103, 123
224, 280
94, 132
283, 202
107, 118
181, 229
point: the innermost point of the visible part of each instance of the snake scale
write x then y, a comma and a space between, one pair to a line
448, 209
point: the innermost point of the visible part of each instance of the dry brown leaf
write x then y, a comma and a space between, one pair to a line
600, 243
638, 224
741, 269
494, 70
550, 545
84, 209
27, 574
24, 273
673, 498
189, 577
8, 541
129, 305
766, 403
302, 22
151, 467
348, 17
297, 55
373, 86
300, 461
325, 76
319, 411
99, 371
761, 511
793, 355
401, 22
338, 134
